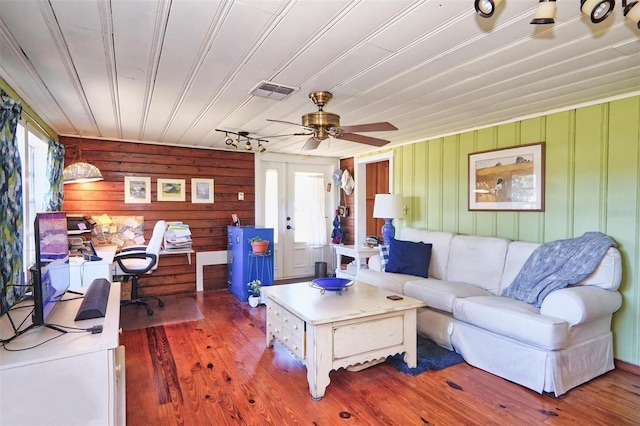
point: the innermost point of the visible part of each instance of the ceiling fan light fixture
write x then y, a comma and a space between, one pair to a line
632, 11
597, 10
545, 12
486, 8
311, 143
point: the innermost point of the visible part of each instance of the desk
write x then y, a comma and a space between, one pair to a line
357, 252
83, 272
74, 379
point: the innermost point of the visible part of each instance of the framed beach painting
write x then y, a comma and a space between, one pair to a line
171, 189
507, 179
137, 189
201, 190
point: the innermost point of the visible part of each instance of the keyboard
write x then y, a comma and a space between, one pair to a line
94, 303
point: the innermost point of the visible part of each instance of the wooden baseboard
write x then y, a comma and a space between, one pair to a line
628, 367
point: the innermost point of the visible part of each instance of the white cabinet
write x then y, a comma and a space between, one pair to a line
77, 378
83, 272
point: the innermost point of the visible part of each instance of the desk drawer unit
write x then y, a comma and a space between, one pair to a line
287, 328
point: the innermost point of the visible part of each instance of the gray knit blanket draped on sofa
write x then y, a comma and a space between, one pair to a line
556, 265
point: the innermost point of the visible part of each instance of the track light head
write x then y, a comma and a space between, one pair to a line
632, 12
247, 145
261, 147
486, 8
597, 10
545, 12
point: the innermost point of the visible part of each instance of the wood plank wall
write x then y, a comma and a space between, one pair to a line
347, 224
232, 171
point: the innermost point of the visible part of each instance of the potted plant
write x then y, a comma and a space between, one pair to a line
258, 245
254, 293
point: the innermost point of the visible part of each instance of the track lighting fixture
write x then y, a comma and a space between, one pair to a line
632, 11
240, 137
596, 10
485, 8
545, 12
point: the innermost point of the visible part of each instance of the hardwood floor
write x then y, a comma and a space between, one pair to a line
217, 371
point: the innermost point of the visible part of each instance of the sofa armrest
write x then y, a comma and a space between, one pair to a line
374, 263
578, 305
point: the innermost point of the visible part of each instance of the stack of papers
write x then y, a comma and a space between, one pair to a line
177, 237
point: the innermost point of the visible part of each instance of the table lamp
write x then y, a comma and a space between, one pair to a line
388, 207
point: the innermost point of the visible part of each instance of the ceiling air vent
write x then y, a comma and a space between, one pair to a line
270, 90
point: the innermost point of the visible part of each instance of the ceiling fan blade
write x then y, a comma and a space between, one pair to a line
371, 127
289, 122
353, 137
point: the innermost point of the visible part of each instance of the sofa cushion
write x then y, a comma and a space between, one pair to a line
440, 246
408, 257
477, 260
440, 295
513, 318
608, 274
517, 254
391, 282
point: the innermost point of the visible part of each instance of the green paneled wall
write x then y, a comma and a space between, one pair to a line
592, 183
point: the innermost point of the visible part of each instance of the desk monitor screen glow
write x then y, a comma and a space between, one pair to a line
51, 272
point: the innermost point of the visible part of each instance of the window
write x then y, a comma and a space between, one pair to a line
33, 157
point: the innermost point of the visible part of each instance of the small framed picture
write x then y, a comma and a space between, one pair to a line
201, 190
137, 189
171, 189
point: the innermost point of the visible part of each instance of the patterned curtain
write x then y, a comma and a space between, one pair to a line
10, 203
55, 165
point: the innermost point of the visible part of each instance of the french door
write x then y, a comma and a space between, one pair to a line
299, 206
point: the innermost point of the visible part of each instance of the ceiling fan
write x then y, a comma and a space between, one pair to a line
322, 124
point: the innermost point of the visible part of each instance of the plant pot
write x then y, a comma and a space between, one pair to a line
259, 247
254, 301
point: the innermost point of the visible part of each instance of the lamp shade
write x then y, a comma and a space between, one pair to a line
81, 172
388, 206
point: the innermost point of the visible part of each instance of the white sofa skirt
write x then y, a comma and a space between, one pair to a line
537, 369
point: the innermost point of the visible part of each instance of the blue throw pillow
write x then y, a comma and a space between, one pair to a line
408, 257
384, 257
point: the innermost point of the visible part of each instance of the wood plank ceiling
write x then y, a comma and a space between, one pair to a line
172, 72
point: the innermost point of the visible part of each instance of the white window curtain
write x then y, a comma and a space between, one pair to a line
310, 212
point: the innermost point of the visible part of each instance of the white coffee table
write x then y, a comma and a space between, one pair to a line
357, 328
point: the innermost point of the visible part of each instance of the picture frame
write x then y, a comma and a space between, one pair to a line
507, 179
137, 190
201, 190
171, 189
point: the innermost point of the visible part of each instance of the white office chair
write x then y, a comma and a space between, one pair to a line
139, 260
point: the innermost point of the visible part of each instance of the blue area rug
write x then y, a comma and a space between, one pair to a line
430, 357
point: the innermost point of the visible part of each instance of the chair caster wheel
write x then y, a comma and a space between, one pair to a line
161, 304
149, 312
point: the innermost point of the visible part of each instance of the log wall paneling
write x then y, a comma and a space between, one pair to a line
232, 172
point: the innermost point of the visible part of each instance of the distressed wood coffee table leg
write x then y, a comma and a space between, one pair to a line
319, 359
410, 338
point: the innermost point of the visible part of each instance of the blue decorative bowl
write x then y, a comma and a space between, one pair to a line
331, 284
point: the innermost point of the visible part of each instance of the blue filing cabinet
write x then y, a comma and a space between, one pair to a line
243, 266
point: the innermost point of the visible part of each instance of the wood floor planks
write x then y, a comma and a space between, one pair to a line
217, 371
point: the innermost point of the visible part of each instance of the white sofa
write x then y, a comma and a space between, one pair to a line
562, 344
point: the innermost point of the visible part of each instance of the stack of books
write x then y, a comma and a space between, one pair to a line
177, 237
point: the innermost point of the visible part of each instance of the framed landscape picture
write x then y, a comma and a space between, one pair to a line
508, 179
137, 190
171, 189
201, 190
